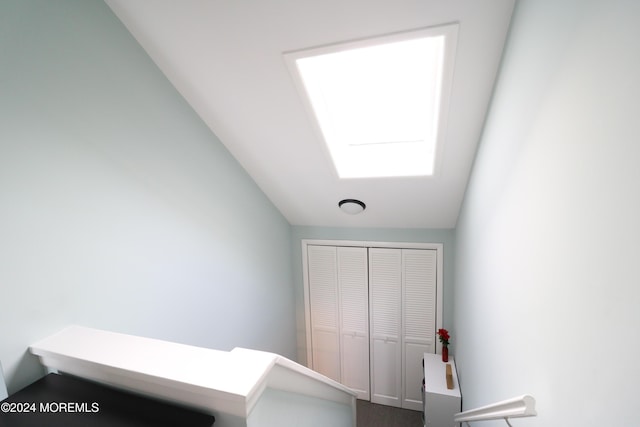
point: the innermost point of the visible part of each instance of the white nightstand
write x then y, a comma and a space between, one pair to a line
440, 403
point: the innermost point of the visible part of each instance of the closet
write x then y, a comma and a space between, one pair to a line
372, 313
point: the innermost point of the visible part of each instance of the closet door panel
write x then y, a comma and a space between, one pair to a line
385, 325
323, 299
353, 288
386, 381
413, 374
355, 364
419, 295
326, 357
418, 318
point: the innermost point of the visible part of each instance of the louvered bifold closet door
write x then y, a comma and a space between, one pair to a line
323, 299
354, 319
385, 325
418, 318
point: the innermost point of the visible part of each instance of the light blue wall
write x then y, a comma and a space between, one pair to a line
119, 209
547, 291
299, 233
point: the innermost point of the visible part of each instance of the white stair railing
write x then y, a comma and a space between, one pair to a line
227, 384
521, 406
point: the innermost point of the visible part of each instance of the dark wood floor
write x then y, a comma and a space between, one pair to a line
372, 415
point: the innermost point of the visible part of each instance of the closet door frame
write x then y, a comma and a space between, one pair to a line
438, 247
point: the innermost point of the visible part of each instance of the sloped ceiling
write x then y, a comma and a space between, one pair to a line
226, 59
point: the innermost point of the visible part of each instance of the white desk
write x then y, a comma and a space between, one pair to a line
440, 403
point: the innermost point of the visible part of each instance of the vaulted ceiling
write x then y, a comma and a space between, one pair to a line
226, 59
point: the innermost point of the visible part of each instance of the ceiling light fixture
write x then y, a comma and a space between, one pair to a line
351, 206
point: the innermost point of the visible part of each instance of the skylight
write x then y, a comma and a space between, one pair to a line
378, 104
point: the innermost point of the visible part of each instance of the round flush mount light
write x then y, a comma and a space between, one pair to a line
351, 206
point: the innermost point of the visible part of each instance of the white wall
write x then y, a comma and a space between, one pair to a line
119, 209
547, 279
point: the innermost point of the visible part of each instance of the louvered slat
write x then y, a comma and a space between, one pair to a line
419, 277
353, 288
384, 291
323, 289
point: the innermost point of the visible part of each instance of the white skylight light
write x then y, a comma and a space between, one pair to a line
379, 103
